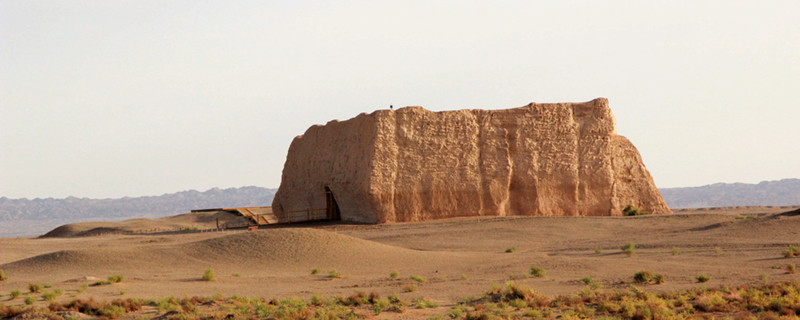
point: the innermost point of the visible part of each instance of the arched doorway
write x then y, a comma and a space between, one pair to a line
331, 207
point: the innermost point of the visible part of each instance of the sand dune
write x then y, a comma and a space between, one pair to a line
277, 249
201, 220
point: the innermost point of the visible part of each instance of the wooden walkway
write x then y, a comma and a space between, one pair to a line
259, 216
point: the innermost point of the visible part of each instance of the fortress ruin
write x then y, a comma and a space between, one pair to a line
412, 164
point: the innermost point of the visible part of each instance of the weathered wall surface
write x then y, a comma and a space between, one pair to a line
413, 164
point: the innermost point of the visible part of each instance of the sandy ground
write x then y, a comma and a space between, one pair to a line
460, 257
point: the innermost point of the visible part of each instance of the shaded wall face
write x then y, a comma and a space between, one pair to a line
336, 156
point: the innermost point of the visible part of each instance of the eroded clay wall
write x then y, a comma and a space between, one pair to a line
413, 164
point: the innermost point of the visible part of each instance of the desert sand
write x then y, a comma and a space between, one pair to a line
460, 257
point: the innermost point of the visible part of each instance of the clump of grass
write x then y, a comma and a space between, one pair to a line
676, 251
511, 250
629, 248
115, 278
418, 278
764, 278
34, 287
394, 274
538, 271
630, 210
334, 274
236, 275
15, 294
717, 250
410, 287
598, 251
791, 252
52, 295
209, 275
648, 277
424, 303
702, 277
82, 288
463, 277
3, 276
315, 271
47, 286
29, 300
791, 268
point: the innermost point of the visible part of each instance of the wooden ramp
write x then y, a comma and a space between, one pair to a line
257, 216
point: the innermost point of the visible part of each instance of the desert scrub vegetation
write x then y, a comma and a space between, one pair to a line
629, 249
648, 277
791, 252
418, 278
702, 278
538, 271
34, 287
3, 276
511, 250
791, 268
510, 301
333, 274
630, 210
394, 274
315, 271
209, 275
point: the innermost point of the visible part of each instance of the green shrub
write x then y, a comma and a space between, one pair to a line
676, 251
209, 275
34, 287
334, 274
510, 250
790, 252
630, 210
3, 276
15, 294
648, 277
702, 277
115, 278
30, 300
418, 278
410, 287
538, 271
629, 248
791, 268
394, 274
315, 271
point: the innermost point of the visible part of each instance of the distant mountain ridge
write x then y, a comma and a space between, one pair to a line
27, 217
785, 192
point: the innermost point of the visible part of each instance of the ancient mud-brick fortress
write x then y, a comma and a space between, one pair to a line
411, 164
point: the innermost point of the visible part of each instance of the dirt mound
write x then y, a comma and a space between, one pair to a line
200, 220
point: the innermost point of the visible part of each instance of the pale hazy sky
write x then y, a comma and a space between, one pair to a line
129, 98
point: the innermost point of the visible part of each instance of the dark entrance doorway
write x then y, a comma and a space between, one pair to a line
331, 208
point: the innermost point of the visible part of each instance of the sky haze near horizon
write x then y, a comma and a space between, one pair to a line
106, 99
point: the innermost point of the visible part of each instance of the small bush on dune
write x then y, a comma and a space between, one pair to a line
15, 294
510, 250
3, 276
30, 300
418, 278
791, 252
702, 277
538, 271
334, 274
394, 274
315, 271
34, 287
115, 278
648, 277
629, 248
209, 275
791, 268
